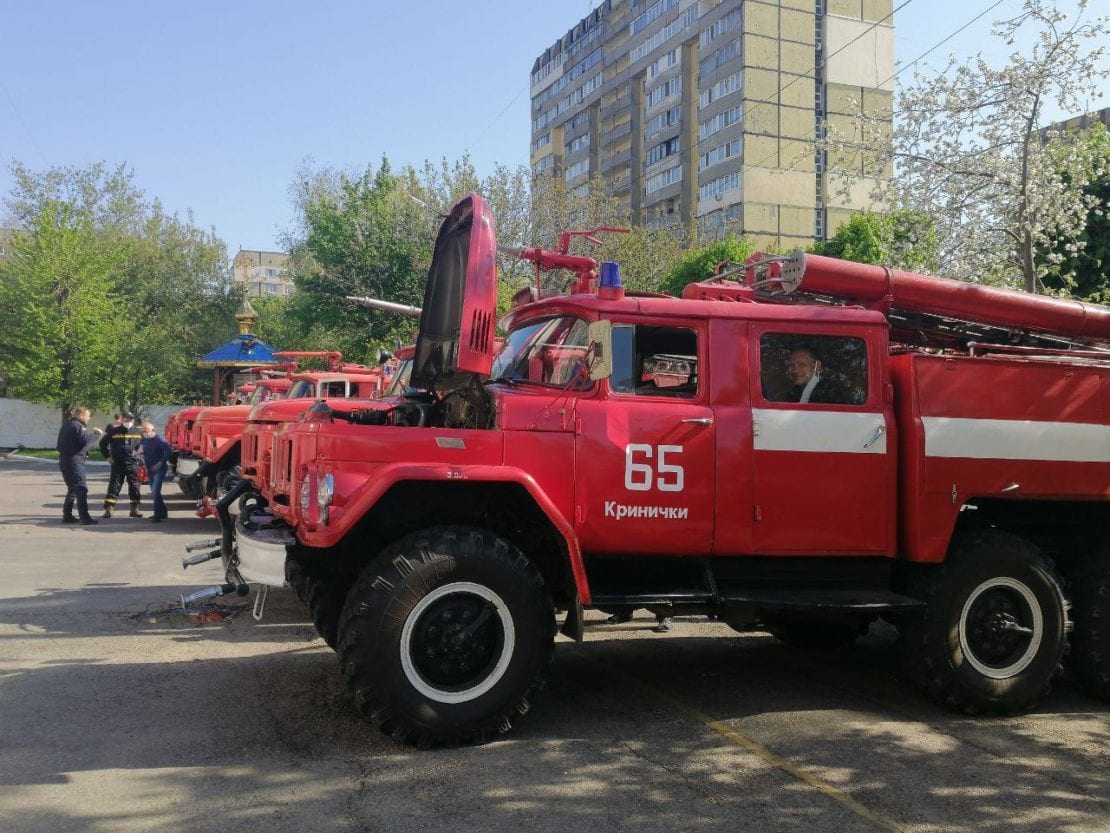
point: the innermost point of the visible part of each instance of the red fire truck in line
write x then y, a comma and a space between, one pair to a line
215, 433
178, 429
802, 450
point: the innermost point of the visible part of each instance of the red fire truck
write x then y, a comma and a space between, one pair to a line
214, 439
178, 429
802, 450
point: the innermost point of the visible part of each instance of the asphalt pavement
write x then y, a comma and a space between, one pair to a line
120, 713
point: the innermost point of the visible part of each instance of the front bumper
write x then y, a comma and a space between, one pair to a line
188, 466
262, 549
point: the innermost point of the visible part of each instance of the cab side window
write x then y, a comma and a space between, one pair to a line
336, 389
655, 361
813, 369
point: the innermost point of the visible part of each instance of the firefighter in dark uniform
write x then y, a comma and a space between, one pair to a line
120, 444
74, 442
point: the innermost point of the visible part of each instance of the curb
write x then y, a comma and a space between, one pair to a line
29, 459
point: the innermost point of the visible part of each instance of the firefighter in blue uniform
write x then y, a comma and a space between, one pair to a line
120, 444
74, 442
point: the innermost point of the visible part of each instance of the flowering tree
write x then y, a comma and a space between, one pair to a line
969, 152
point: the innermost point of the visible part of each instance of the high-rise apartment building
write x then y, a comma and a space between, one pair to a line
709, 110
262, 273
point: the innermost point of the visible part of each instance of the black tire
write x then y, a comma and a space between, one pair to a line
323, 594
325, 597
416, 669
296, 579
816, 635
1089, 661
188, 488
993, 633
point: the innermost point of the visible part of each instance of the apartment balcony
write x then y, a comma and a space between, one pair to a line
615, 133
610, 162
611, 109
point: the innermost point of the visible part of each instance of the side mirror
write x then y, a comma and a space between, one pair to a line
601, 343
383, 356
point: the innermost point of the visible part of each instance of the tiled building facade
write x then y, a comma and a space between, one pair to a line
707, 111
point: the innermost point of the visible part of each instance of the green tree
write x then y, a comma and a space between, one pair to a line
905, 240
358, 234
60, 294
169, 293
700, 262
1081, 267
179, 307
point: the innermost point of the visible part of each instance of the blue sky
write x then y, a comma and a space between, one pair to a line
215, 105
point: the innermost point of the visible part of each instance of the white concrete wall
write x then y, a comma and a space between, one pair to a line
859, 63
36, 426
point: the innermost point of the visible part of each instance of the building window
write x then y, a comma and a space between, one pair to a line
577, 169
719, 154
577, 144
640, 22
716, 187
719, 122
661, 92
661, 151
657, 123
721, 57
542, 142
664, 35
719, 90
544, 165
662, 63
579, 119
729, 21
663, 179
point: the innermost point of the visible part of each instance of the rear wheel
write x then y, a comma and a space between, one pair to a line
1090, 641
992, 636
446, 636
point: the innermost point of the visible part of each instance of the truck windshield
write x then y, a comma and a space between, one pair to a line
399, 384
551, 351
263, 394
301, 389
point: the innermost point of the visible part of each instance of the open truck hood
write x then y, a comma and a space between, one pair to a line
455, 342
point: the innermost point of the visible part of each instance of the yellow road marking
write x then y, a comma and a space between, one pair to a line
759, 750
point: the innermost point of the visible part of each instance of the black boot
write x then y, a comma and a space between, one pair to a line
135, 513
67, 512
107, 512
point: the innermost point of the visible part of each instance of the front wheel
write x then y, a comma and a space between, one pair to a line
446, 635
992, 636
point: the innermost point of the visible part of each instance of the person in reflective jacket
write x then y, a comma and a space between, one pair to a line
120, 444
156, 456
74, 442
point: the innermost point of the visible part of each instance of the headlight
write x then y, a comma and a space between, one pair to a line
325, 491
306, 494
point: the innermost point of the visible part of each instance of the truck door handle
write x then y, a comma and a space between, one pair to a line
875, 437
699, 420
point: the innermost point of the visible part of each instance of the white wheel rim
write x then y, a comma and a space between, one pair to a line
1037, 626
509, 641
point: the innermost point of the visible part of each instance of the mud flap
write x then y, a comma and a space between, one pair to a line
574, 626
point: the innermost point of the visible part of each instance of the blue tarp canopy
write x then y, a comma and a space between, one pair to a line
243, 351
